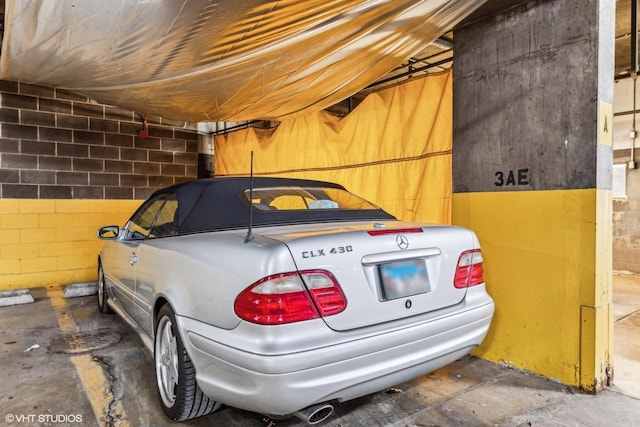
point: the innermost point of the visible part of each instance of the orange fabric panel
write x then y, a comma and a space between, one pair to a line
394, 149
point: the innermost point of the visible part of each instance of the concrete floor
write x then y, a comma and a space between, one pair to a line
92, 370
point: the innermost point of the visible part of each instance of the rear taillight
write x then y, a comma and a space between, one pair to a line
284, 298
325, 291
469, 271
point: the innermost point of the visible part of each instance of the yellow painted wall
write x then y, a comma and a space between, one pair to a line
54, 241
548, 270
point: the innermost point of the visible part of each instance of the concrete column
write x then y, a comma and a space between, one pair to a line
532, 160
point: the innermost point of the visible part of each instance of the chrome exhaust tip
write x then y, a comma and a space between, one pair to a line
315, 414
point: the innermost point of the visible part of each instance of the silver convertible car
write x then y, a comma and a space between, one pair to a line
284, 296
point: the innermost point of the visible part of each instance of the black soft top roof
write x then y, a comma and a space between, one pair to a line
220, 203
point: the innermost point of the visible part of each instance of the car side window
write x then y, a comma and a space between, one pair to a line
166, 223
140, 224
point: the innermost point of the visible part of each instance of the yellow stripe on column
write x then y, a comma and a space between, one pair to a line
90, 372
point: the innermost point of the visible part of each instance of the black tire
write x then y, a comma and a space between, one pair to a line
103, 307
180, 396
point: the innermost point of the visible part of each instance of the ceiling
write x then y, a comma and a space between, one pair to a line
438, 55
218, 60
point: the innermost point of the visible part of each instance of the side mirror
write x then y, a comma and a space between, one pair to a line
108, 232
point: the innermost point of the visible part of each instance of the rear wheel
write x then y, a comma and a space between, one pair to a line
180, 395
103, 307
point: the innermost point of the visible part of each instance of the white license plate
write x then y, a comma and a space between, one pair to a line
403, 278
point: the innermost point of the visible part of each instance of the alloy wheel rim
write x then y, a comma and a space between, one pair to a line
101, 287
166, 356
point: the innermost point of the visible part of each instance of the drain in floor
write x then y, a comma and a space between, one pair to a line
81, 342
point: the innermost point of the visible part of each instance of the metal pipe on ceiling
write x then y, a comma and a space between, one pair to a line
634, 75
634, 36
242, 125
409, 73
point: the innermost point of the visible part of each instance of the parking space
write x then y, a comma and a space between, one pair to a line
66, 364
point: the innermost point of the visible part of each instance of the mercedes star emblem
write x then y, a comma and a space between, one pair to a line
402, 241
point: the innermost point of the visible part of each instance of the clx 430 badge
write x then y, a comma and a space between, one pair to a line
324, 252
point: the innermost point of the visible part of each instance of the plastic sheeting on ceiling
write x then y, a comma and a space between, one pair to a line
224, 60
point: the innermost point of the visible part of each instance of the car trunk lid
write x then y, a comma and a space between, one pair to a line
387, 271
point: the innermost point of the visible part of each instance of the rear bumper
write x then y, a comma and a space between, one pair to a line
282, 383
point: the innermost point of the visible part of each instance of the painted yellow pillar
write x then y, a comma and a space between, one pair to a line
532, 163
548, 270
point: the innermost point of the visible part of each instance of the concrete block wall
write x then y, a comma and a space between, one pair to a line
626, 224
47, 241
69, 165
626, 210
58, 145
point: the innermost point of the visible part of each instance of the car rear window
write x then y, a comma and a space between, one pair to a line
305, 198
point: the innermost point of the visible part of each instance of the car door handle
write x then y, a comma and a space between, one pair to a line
133, 259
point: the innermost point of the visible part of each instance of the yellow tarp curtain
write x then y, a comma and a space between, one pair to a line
394, 149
